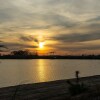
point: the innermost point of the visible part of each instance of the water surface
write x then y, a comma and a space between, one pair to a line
13, 72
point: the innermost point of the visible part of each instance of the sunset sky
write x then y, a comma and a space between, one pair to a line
64, 26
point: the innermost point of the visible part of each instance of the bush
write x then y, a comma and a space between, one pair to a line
77, 89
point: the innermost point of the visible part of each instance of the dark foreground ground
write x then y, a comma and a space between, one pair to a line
56, 90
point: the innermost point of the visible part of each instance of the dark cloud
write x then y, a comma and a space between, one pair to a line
75, 37
82, 47
75, 47
28, 38
2, 46
15, 46
96, 19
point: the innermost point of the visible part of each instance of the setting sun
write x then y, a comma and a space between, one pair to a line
41, 44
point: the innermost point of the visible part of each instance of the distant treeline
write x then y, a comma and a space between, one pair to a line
28, 55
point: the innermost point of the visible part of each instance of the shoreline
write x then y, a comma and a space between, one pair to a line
44, 90
51, 58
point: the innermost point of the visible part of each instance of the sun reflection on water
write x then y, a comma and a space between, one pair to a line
41, 71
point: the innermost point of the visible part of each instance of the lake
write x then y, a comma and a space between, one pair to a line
15, 72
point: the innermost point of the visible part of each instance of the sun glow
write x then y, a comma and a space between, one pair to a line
41, 45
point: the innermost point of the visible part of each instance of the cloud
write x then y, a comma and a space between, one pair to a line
3, 46
73, 47
79, 48
76, 37
63, 21
16, 46
29, 39
43, 14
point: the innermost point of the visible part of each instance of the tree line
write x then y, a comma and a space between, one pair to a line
25, 54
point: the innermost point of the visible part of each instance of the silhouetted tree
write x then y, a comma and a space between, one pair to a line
20, 53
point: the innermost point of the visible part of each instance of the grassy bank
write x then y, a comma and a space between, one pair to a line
55, 90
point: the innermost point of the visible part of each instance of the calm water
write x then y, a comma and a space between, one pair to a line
13, 72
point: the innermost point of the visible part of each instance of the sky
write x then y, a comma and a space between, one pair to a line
65, 26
